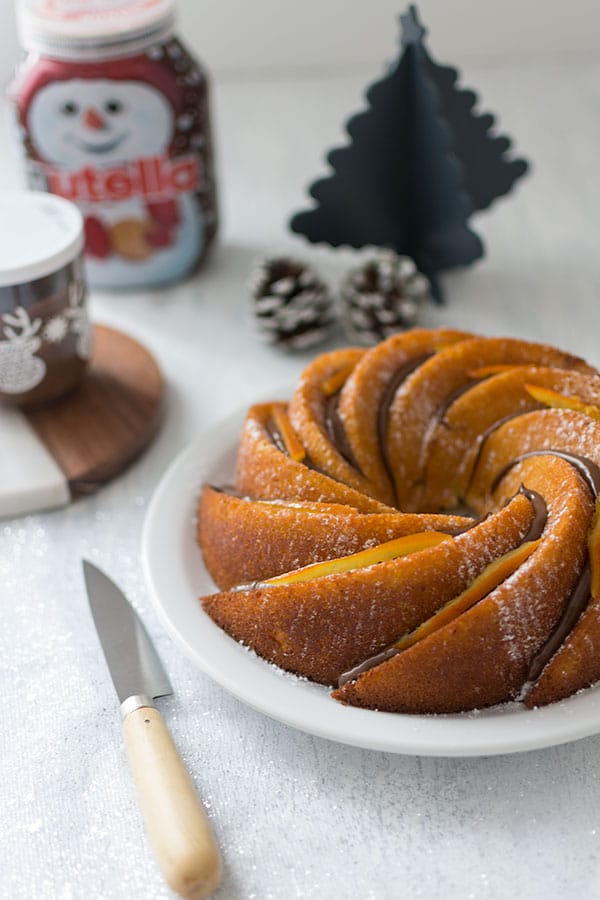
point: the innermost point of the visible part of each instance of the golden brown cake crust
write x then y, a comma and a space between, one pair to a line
322, 628
377, 446
482, 657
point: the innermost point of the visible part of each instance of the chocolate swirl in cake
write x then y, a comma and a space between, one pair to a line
391, 389
577, 602
275, 436
580, 595
337, 432
588, 469
452, 397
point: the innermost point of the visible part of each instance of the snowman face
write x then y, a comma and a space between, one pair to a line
95, 121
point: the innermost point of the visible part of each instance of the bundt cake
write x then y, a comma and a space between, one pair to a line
419, 526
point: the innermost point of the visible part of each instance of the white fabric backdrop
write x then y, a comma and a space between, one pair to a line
297, 818
238, 35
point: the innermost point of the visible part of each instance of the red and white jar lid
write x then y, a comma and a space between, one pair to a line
93, 29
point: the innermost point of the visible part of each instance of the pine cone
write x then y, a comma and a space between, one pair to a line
383, 296
292, 306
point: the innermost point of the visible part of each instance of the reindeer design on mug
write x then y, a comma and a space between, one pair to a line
20, 369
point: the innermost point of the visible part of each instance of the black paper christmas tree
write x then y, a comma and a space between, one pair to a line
420, 162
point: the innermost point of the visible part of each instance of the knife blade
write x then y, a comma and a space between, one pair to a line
175, 820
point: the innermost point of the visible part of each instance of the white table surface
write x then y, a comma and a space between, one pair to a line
296, 816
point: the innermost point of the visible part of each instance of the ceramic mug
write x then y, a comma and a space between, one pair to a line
45, 332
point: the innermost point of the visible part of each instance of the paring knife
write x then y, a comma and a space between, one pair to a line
175, 820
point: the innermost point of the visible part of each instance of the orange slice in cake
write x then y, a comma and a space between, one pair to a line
293, 533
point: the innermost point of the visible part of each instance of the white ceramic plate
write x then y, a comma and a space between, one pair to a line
177, 577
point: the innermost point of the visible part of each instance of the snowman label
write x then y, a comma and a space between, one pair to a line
126, 140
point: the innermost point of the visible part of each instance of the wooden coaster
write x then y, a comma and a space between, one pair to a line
82, 441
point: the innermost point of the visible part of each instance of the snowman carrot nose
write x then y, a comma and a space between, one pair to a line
93, 119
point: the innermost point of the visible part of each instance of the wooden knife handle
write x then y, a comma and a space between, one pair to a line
176, 823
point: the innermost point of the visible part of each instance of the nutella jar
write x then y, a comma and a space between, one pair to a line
45, 332
113, 115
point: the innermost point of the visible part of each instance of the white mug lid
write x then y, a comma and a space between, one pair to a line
93, 28
39, 234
